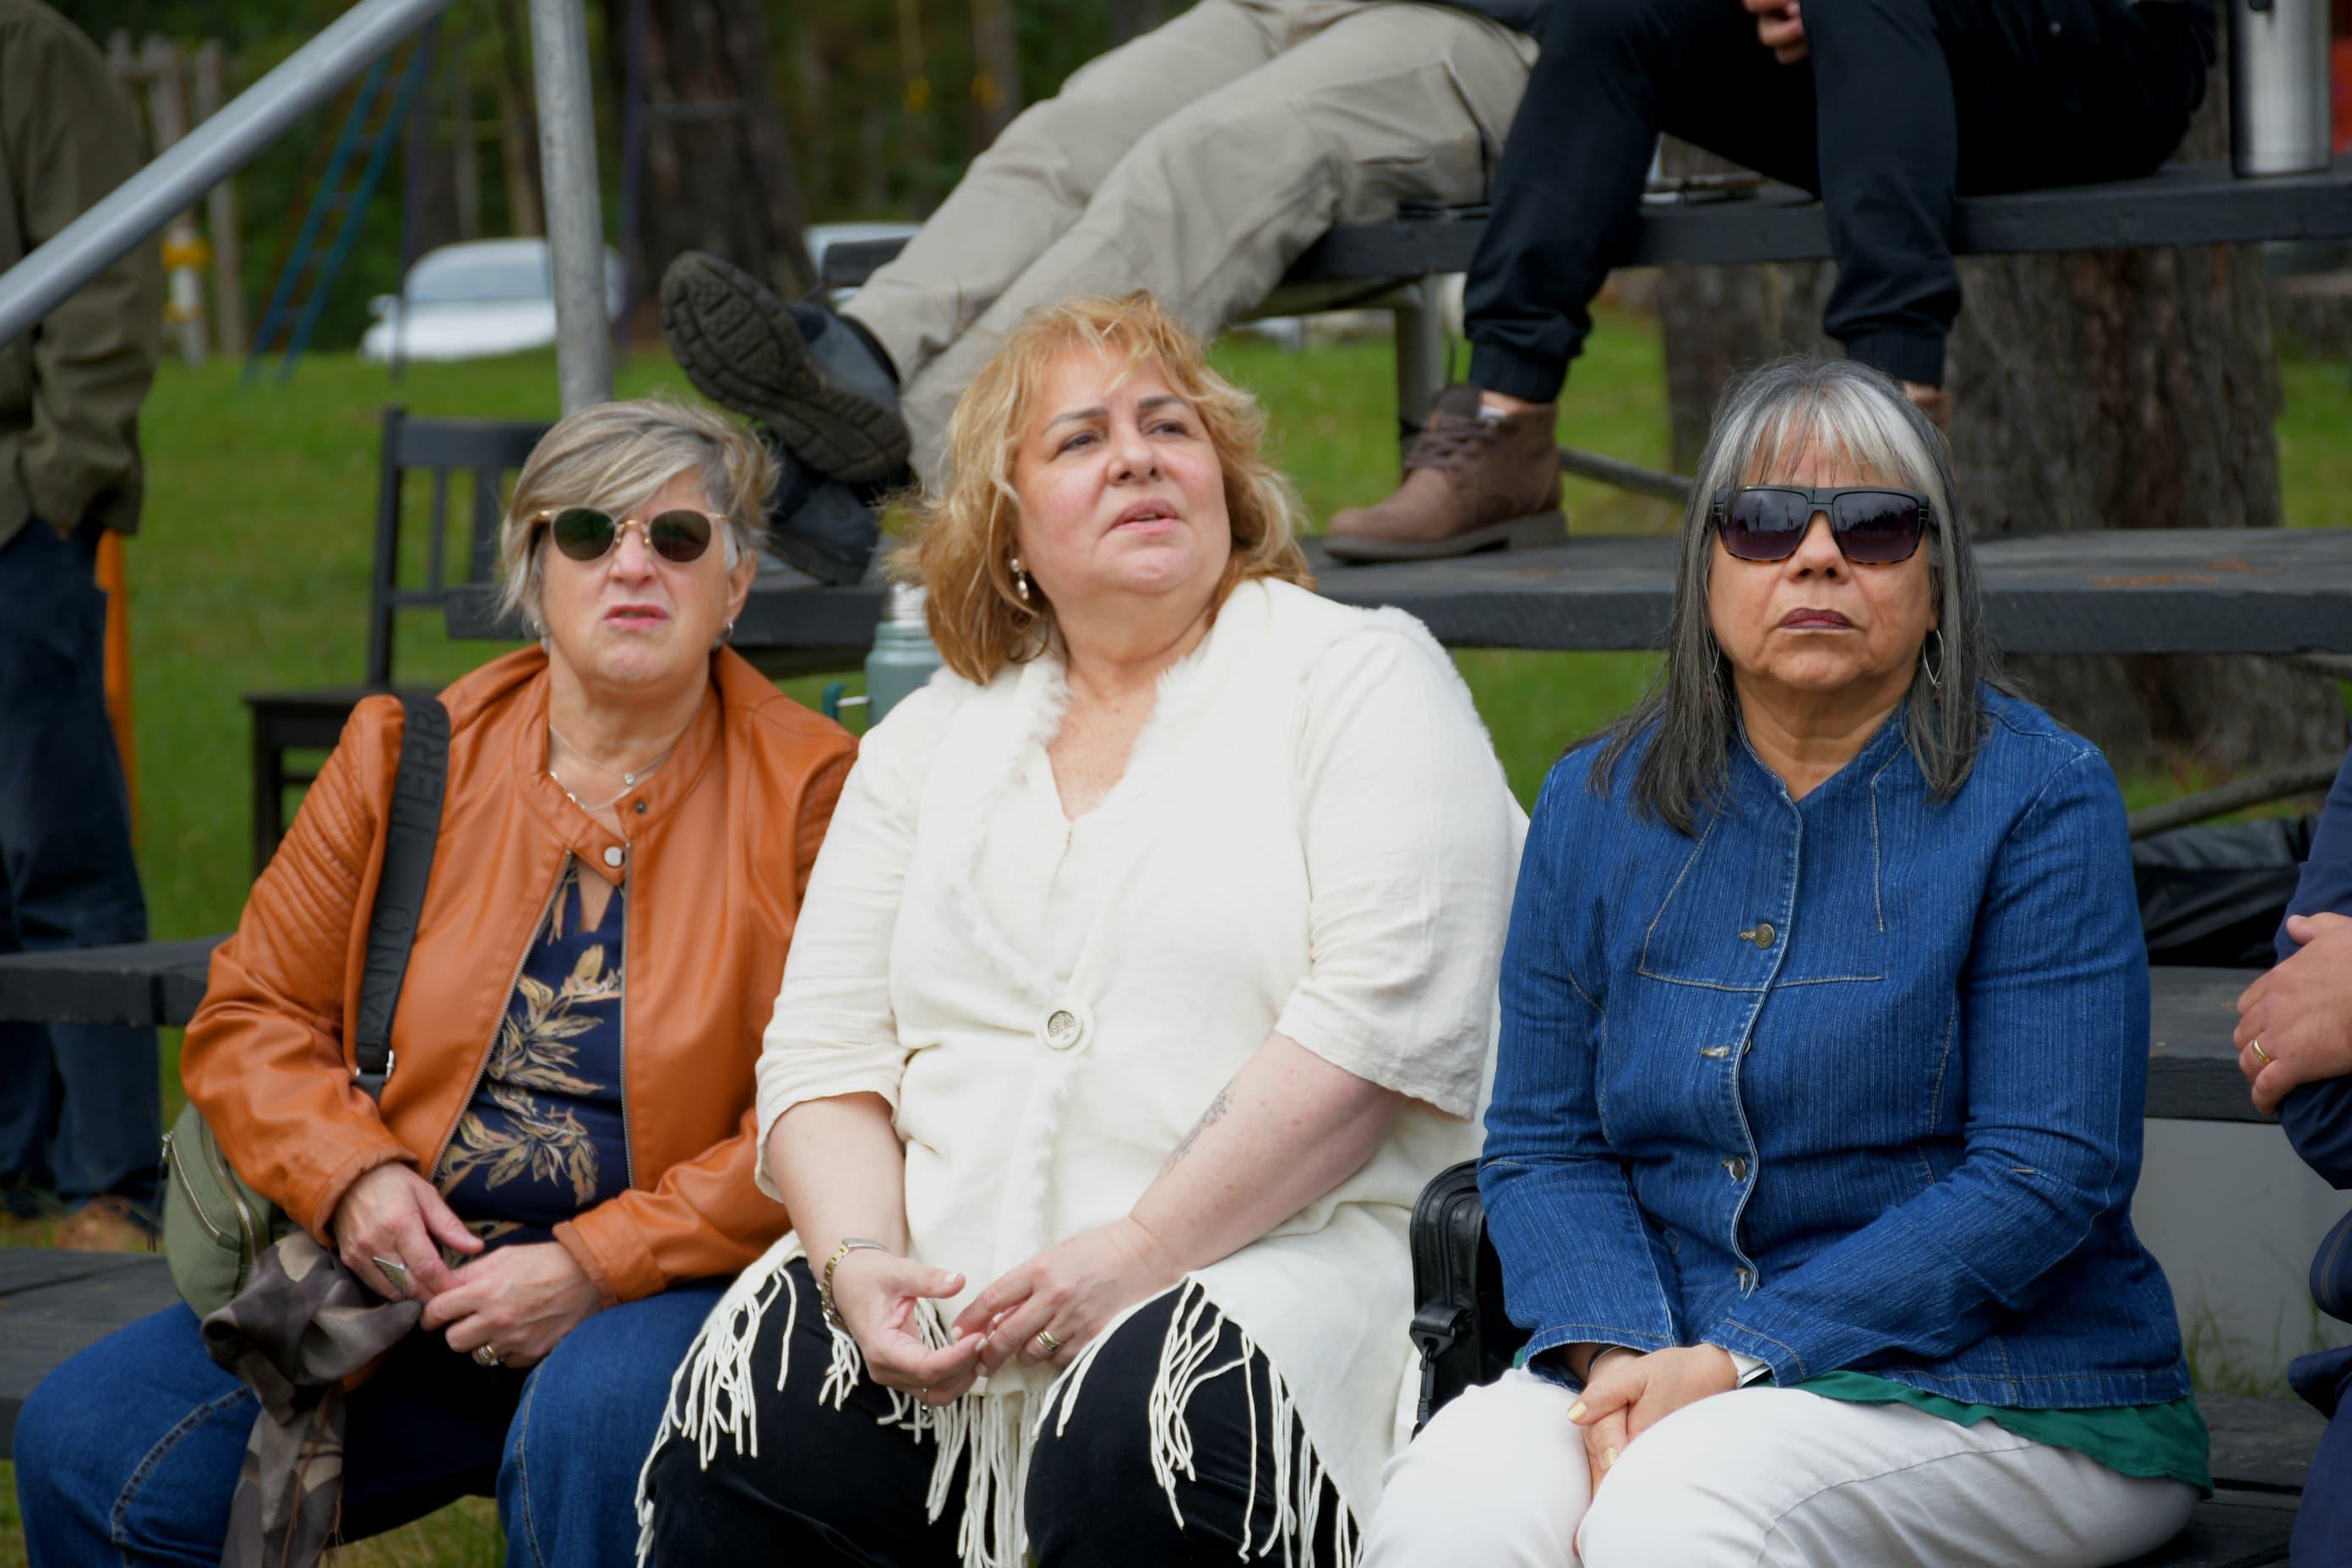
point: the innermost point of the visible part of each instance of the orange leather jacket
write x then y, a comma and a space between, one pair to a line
718, 853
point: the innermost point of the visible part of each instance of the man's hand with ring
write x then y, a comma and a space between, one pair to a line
2294, 1023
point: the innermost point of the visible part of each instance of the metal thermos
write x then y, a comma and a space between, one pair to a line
903, 657
2278, 86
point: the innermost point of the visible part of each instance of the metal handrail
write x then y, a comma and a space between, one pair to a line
218, 148
232, 138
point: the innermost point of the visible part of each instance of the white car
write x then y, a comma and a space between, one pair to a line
476, 300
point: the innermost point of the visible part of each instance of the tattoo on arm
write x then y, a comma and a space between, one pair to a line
1215, 1113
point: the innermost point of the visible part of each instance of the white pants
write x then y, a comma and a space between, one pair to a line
1760, 1476
1197, 162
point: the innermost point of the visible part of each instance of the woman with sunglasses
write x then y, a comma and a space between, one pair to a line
562, 1158
1817, 1109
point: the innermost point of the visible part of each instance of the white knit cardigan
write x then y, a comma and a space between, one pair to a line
1312, 835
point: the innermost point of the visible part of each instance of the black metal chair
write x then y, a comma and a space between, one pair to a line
477, 453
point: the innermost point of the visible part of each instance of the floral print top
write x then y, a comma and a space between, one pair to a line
546, 1135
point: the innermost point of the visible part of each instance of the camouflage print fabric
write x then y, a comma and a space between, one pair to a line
297, 1334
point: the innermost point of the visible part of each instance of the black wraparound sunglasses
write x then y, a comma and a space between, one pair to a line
584, 533
1873, 526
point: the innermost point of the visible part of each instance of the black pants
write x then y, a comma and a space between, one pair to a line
1902, 105
839, 1487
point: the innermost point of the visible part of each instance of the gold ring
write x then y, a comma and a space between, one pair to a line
486, 1354
2261, 1055
1050, 1343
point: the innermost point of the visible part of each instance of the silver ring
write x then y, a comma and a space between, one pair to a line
486, 1354
393, 1270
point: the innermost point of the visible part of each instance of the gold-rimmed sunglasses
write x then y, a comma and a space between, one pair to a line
585, 533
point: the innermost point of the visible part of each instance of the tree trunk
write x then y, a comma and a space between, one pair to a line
719, 172
2131, 389
518, 124
996, 84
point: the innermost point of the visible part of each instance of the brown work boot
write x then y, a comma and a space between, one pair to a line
107, 1224
1472, 481
1935, 402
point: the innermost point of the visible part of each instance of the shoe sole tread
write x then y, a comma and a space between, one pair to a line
717, 324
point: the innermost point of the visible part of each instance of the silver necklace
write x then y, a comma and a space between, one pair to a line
630, 779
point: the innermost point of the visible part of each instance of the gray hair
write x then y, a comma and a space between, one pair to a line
615, 457
1769, 414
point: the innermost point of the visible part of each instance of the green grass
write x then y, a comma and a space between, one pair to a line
252, 575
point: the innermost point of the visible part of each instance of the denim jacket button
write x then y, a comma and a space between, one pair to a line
1716, 1052
1736, 1169
1761, 933
1748, 1278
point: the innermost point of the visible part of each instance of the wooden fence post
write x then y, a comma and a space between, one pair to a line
220, 211
183, 248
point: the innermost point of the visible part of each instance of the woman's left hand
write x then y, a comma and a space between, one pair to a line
1643, 1390
1069, 1292
518, 1300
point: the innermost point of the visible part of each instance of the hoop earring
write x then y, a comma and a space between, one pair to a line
1934, 678
1020, 579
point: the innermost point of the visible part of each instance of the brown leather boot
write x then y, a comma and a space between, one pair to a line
1470, 483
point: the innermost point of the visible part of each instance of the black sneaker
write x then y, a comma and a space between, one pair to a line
800, 371
820, 525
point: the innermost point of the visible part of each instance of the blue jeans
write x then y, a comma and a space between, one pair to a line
129, 1452
81, 1104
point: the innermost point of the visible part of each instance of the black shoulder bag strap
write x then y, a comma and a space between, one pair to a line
411, 829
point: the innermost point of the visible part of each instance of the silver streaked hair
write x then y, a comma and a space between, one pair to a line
1768, 415
615, 457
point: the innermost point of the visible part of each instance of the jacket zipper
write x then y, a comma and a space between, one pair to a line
248, 1228
628, 1151
482, 1064
177, 1161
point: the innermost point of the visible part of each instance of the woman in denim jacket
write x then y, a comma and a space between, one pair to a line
1817, 1113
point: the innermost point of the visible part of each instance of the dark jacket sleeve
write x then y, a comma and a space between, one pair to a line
2318, 1116
69, 437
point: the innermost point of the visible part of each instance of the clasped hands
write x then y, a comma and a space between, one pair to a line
1070, 1291
1626, 1393
2301, 1012
518, 1300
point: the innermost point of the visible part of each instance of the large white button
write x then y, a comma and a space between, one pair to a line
613, 856
1064, 1026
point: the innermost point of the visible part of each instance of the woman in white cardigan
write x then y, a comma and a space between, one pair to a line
1146, 974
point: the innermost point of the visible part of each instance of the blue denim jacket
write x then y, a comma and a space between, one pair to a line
1854, 1081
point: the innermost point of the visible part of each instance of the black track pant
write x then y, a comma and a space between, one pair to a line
1902, 105
833, 1487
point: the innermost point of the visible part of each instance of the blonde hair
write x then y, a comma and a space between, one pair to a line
961, 554
615, 456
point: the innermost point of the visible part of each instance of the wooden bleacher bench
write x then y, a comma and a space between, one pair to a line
1716, 223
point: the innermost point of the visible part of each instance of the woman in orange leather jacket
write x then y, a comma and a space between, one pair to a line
563, 1148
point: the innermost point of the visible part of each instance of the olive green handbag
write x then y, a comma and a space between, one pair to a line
215, 1224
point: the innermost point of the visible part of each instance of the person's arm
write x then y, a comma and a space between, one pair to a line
1409, 833
2302, 1010
2053, 1026
1580, 1270
263, 1057
1288, 1129
68, 138
831, 1063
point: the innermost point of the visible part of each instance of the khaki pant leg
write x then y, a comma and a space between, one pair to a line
1030, 186
1375, 103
